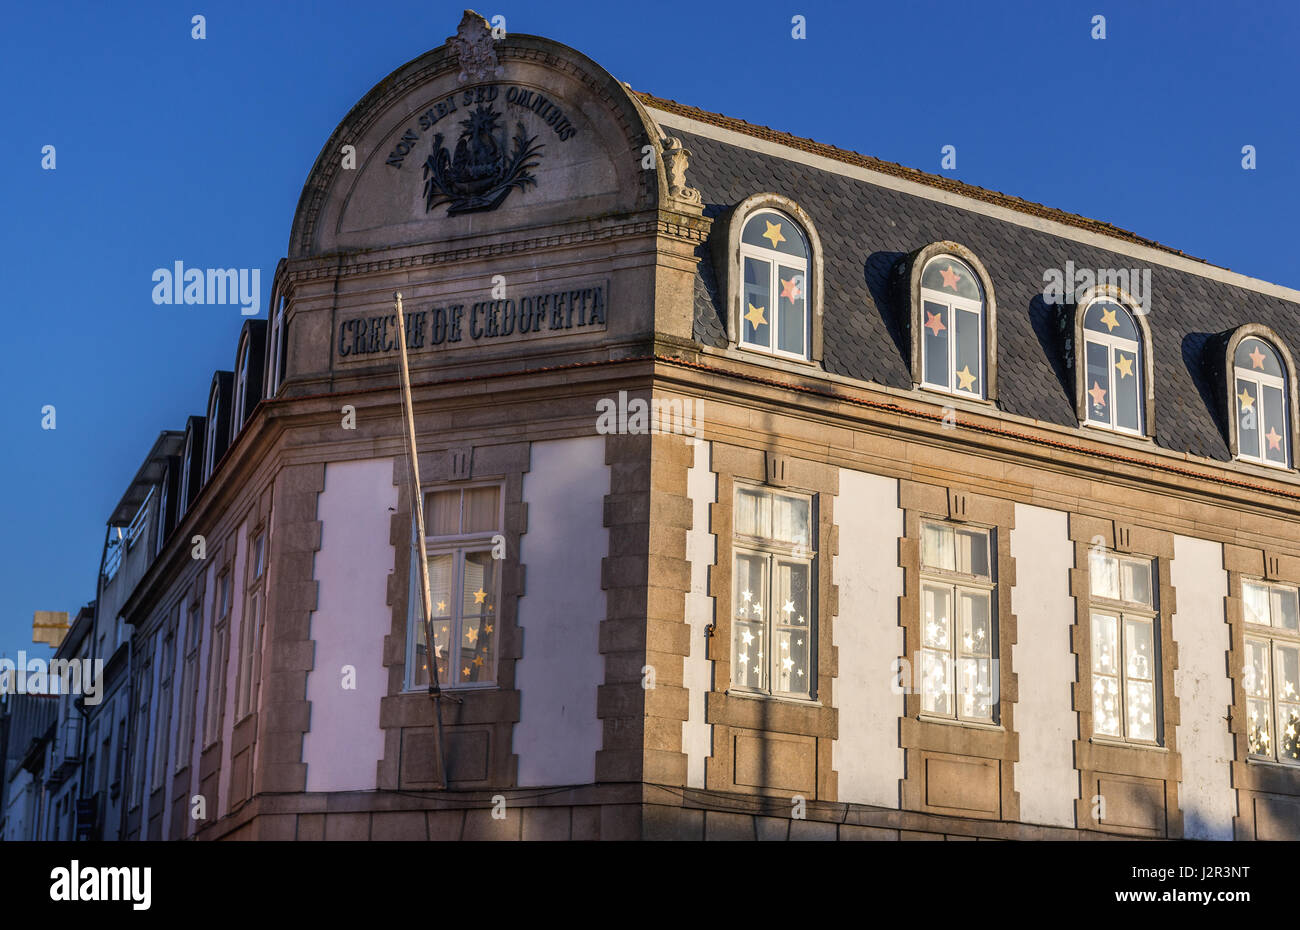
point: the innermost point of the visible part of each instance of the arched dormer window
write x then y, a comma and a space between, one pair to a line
248, 373
218, 422
954, 344
1112, 363
1262, 397
772, 274
191, 466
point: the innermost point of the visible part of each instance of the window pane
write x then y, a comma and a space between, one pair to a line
968, 364
937, 547
757, 310
1254, 355
1285, 611
442, 513
975, 688
793, 637
772, 231
1288, 726
937, 630
1105, 705
934, 343
1137, 582
1141, 720
1255, 599
748, 626
1274, 425
479, 619
950, 276
1255, 675
1105, 646
440, 584
976, 630
1259, 728
1097, 381
935, 692
791, 324
1288, 673
1248, 413
973, 552
482, 506
752, 510
1126, 389
1103, 572
1140, 659
790, 519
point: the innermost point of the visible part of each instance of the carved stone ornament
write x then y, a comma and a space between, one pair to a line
473, 45
676, 161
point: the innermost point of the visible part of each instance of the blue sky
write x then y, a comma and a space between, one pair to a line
172, 149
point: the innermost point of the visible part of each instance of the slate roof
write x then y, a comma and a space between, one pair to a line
865, 229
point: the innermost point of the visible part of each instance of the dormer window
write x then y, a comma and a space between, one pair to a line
210, 443
767, 253
1112, 362
1261, 401
953, 331
774, 315
241, 385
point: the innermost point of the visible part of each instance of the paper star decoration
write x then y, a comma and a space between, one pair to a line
950, 277
1108, 318
478, 660
465, 671
1274, 439
747, 637
1257, 358
966, 379
471, 634
1098, 394
1247, 402
488, 628
773, 233
1124, 366
790, 289
755, 316
934, 322
788, 663
479, 595
442, 605
789, 607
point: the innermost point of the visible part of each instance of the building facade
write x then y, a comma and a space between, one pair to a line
770, 491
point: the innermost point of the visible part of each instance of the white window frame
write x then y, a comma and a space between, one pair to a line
216, 684
1113, 342
162, 720
251, 628
774, 550
189, 684
241, 386
1274, 638
955, 302
277, 327
775, 258
955, 582
210, 440
183, 494
1122, 610
458, 546
1261, 380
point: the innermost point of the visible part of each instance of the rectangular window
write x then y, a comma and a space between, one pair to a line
164, 715
1271, 677
958, 632
1125, 648
774, 627
250, 633
139, 758
217, 662
464, 588
189, 684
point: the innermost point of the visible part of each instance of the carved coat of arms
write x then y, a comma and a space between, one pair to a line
483, 169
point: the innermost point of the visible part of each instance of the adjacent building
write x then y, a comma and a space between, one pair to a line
770, 490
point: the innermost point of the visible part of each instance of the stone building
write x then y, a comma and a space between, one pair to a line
770, 490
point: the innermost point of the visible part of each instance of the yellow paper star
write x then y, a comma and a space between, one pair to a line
1247, 402
479, 595
465, 671
442, 605
773, 233
471, 634
1124, 366
478, 660
488, 628
755, 316
1108, 317
966, 378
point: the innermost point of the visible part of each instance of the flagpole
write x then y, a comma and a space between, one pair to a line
417, 507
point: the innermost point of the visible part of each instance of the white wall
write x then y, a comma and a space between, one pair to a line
867, 755
558, 732
1203, 689
352, 616
1044, 664
697, 673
